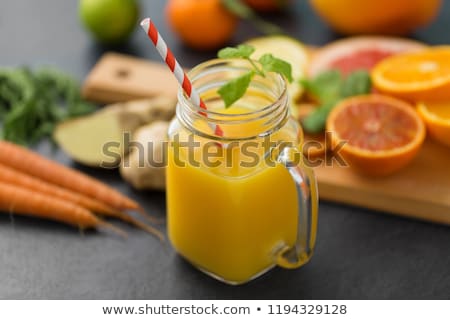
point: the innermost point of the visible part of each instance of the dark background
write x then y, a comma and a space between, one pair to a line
360, 253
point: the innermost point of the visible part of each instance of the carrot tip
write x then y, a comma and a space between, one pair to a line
115, 229
150, 230
149, 217
133, 221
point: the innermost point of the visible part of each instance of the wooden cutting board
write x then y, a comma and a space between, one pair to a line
117, 77
421, 190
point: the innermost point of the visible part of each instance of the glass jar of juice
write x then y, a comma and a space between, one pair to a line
241, 202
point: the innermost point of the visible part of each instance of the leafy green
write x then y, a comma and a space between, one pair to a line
241, 51
234, 89
32, 103
243, 11
272, 64
315, 122
329, 88
357, 82
325, 87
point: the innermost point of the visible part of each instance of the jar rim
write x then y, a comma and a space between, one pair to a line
213, 74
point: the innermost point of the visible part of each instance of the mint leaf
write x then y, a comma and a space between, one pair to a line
315, 121
241, 51
357, 83
234, 89
330, 88
325, 87
272, 64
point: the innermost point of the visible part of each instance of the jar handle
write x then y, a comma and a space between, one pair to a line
308, 202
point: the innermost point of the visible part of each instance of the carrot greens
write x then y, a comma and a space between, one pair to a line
33, 102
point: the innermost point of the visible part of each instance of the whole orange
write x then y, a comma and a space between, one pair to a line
201, 24
396, 17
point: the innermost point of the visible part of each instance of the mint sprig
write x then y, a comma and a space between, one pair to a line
235, 89
329, 88
241, 51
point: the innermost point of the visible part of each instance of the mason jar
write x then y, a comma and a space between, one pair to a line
240, 200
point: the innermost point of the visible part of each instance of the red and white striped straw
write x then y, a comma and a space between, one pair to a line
177, 70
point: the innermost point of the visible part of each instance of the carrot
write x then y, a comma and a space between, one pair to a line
14, 177
34, 164
19, 200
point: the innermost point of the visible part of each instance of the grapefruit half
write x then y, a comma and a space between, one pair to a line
358, 53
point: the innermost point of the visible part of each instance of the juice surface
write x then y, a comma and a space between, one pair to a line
229, 220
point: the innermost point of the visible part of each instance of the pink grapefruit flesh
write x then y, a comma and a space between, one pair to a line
358, 53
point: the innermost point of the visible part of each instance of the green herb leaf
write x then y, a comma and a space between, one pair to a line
272, 64
243, 11
239, 8
33, 102
357, 83
330, 88
325, 87
234, 89
80, 108
315, 122
241, 51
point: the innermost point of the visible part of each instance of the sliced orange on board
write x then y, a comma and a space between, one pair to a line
418, 76
381, 134
437, 120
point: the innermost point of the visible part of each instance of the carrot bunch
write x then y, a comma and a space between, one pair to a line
33, 185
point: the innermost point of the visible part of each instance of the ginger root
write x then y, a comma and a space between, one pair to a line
144, 167
137, 113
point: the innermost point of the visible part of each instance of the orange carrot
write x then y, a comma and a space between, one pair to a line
14, 177
34, 164
19, 200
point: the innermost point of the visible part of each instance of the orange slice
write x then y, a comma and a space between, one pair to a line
418, 76
437, 119
382, 134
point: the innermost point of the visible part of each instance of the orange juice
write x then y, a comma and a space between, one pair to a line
229, 220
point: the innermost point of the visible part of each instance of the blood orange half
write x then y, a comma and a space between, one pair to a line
357, 53
382, 134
